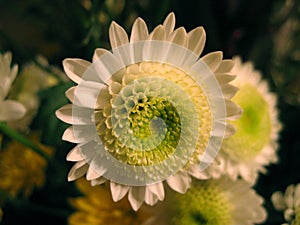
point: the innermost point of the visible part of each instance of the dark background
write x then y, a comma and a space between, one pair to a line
266, 32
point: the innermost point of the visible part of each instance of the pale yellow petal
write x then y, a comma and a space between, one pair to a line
139, 31
75, 68
213, 60
117, 35
196, 40
169, 23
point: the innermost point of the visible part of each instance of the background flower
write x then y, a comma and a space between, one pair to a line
255, 143
21, 169
213, 202
10, 110
289, 202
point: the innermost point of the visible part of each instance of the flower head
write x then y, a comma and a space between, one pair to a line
21, 169
212, 202
149, 111
96, 207
254, 144
289, 202
9, 110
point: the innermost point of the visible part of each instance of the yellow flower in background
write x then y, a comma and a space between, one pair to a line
289, 202
21, 169
149, 111
29, 83
9, 109
254, 144
212, 202
96, 207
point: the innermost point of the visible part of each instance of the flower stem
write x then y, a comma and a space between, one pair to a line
5, 129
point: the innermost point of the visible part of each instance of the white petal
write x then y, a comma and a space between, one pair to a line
213, 60
139, 31
117, 35
158, 190
229, 90
178, 37
136, 197
70, 93
180, 182
75, 68
78, 170
224, 78
98, 181
158, 34
225, 66
106, 63
92, 174
75, 115
169, 23
232, 109
75, 155
11, 110
118, 191
150, 198
196, 40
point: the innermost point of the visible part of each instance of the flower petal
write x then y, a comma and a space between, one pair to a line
98, 181
136, 197
213, 60
75, 155
158, 190
139, 31
117, 35
180, 182
196, 40
150, 198
224, 78
169, 23
92, 174
11, 110
70, 93
78, 170
118, 191
229, 90
76, 68
225, 66
232, 109
158, 34
75, 115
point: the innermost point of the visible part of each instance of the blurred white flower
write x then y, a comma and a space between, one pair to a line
9, 109
289, 202
254, 145
212, 202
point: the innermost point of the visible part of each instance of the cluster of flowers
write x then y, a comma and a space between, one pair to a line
184, 137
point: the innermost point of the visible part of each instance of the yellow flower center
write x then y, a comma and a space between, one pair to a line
254, 126
204, 204
146, 102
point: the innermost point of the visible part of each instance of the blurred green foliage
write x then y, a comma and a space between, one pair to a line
266, 32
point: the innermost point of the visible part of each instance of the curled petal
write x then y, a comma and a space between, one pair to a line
196, 40
139, 31
118, 191
180, 182
78, 170
169, 23
75, 68
117, 35
213, 60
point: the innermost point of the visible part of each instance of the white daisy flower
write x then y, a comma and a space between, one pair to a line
289, 202
149, 111
9, 109
254, 144
212, 202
